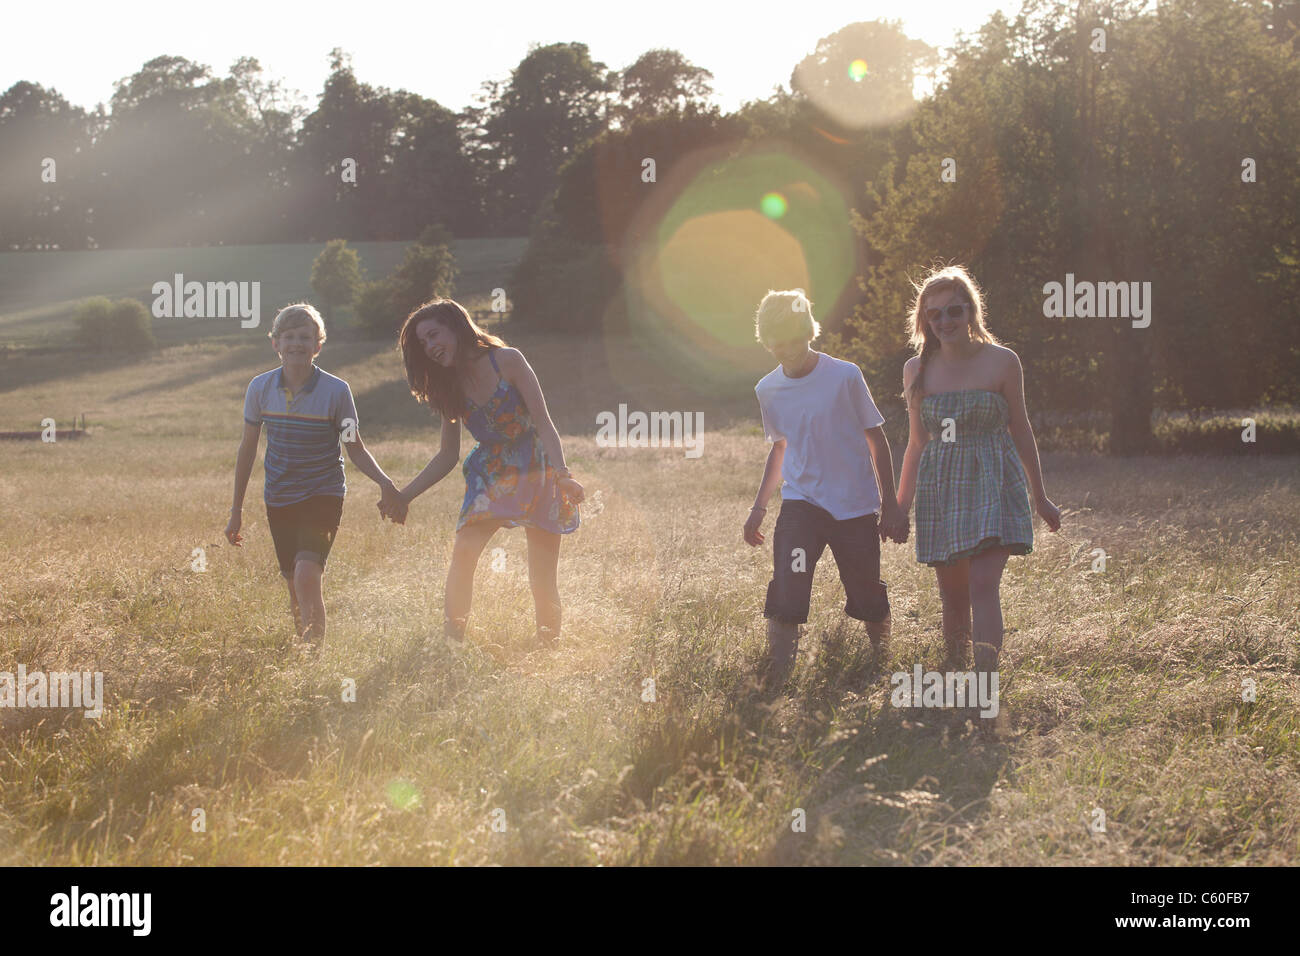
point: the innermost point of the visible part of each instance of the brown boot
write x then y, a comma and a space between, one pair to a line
880, 634
986, 657
957, 652
782, 646
986, 662
453, 630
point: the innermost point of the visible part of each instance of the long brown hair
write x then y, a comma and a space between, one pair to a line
951, 278
431, 383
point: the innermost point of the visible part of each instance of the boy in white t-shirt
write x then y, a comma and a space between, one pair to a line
831, 451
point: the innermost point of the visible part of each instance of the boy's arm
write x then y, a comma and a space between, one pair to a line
366, 464
893, 522
766, 489
243, 469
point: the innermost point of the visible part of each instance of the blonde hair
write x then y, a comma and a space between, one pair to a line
951, 278
292, 316
784, 316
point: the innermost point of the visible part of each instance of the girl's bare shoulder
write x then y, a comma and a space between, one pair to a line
510, 356
1004, 357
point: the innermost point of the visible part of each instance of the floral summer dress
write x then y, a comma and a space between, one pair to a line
507, 475
971, 493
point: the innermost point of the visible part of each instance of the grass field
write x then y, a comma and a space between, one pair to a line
1123, 688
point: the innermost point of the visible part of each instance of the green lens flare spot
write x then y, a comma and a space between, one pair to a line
857, 70
403, 795
774, 205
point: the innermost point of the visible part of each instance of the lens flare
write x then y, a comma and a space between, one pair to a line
728, 229
403, 795
857, 70
773, 205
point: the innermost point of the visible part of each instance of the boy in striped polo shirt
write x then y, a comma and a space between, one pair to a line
308, 413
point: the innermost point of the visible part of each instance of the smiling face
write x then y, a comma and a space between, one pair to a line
951, 323
438, 342
297, 345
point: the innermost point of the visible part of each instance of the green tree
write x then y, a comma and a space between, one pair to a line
662, 81
427, 271
556, 100
1108, 164
122, 325
37, 125
336, 275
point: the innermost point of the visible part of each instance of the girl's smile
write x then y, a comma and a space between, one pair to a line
947, 327
438, 341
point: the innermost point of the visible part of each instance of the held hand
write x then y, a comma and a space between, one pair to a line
893, 523
755, 521
1049, 513
393, 505
232, 528
571, 490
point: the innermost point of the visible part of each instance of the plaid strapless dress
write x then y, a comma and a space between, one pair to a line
971, 492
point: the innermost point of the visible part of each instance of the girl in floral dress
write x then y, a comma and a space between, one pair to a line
971, 460
514, 477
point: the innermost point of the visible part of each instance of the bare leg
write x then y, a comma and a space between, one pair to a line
954, 592
308, 584
986, 605
469, 545
543, 574
294, 609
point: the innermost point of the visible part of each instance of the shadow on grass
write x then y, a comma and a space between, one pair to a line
20, 368
875, 784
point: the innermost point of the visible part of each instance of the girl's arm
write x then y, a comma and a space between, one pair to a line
440, 465
516, 370
766, 489
1022, 435
917, 439
243, 469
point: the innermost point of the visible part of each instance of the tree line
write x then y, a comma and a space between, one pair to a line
1120, 142
181, 156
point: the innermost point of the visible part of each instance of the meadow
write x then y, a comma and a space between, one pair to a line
1122, 687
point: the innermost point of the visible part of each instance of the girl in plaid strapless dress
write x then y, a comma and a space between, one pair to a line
971, 463
971, 493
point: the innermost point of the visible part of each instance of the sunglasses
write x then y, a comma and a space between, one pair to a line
955, 311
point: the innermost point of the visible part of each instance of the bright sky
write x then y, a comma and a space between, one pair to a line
442, 51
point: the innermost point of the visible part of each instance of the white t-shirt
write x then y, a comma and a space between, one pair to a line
822, 417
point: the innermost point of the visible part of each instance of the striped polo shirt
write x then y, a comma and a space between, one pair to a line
304, 455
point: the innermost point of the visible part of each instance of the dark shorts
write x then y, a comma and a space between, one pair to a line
855, 544
304, 530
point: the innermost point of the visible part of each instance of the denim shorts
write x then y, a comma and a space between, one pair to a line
855, 545
304, 530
